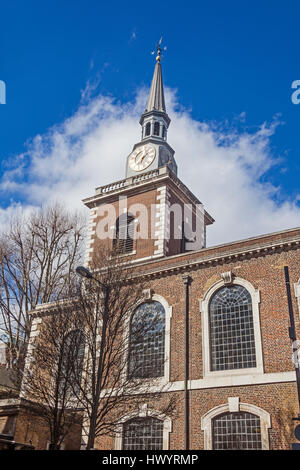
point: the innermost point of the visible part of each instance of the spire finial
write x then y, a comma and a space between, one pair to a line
156, 100
159, 49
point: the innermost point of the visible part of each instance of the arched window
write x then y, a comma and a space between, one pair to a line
124, 234
156, 128
143, 434
163, 132
72, 361
147, 341
232, 340
237, 431
148, 129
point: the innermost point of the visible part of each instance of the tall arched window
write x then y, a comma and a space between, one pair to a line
124, 234
143, 434
72, 361
232, 340
148, 129
237, 431
156, 128
147, 341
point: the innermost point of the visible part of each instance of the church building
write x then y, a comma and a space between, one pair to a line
227, 351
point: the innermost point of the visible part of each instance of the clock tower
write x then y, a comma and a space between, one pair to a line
151, 213
153, 151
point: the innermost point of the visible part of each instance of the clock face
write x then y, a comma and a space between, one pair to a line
142, 157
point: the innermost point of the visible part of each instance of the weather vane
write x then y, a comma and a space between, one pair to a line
159, 50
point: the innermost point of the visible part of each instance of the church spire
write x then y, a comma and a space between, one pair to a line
154, 120
156, 100
153, 151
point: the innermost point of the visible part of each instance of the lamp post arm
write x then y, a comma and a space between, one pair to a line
99, 282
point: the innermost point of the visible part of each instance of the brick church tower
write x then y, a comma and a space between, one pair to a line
151, 213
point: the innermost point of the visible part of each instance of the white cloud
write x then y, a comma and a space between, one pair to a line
223, 168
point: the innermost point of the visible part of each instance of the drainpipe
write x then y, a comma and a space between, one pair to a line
292, 333
187, 282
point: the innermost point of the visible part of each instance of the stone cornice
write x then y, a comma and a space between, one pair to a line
205, 259
8, 405
53, 307
184, 263
138, 184
10, 402
135, 185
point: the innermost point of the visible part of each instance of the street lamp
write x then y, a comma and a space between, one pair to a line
84, 272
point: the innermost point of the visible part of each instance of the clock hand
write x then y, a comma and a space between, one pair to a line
141, 158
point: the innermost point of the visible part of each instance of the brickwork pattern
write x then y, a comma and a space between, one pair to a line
264, 270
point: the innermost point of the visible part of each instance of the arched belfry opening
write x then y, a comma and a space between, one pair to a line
124, 234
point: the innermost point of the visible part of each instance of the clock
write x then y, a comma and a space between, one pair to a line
142, 157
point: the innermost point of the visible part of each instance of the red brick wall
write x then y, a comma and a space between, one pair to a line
31, 429
264, 270
266, 274
279, 400
142, 247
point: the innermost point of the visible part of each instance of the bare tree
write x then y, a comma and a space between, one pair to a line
53, 367
38, 255
115, 376
109, 378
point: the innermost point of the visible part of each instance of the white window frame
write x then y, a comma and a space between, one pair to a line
207, 419
204, 309
149, 297
145, 412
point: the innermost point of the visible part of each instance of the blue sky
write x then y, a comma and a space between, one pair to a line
230, 64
